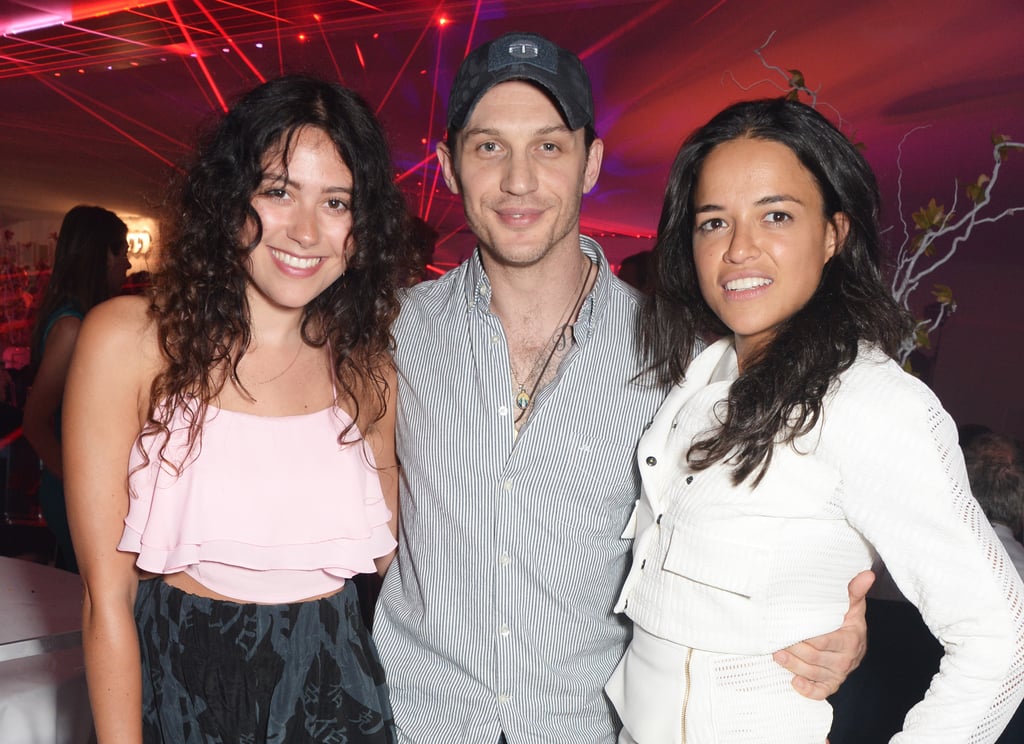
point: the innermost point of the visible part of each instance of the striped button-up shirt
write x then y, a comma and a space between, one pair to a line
497, 615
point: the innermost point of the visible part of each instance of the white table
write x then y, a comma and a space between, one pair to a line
43, 697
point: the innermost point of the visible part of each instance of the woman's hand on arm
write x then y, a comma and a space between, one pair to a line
103, 411
47, 391
823, 663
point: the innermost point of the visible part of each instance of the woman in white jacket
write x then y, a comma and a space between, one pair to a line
792, 453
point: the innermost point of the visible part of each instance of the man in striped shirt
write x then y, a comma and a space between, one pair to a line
520, 405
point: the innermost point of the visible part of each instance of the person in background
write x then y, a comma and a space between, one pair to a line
995, 466
229, 439
519, 410
89, 265
636, 270
793, 452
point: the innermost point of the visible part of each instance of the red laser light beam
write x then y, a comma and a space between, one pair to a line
472, 28
330, 51
280, 48
430, 117
106, 36
249, 9
402, 176
626, 27
450, 235
56, 89
158, 19
366, 5
359, 55
199, 59
433, 190
230, 41
709, 11
142, 125
408, 59
62, 50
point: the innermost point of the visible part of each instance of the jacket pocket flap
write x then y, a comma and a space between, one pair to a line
717, 562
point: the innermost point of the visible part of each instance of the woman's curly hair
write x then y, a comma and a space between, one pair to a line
198, 298
779, 395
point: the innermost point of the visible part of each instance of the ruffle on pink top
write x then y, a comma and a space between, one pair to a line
268, 509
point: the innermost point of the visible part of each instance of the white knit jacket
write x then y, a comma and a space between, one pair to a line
748, 571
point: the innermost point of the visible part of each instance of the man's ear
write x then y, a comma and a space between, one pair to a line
593, 169
444, 157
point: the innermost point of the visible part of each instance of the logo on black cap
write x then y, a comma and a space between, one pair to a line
523, 50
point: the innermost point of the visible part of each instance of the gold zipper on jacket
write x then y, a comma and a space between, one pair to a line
686, 695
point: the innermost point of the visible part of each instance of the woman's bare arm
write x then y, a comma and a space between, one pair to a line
47, 392
104, 406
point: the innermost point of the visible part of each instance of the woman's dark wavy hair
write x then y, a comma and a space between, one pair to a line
199, 294
88, 237
778, 397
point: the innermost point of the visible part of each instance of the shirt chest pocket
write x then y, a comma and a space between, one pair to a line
717, 562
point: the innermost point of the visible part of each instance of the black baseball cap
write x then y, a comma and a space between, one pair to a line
523, 56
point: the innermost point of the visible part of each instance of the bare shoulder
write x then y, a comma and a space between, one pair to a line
118, 343
121, 323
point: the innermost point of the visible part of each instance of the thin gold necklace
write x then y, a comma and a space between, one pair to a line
523, 399
280, 374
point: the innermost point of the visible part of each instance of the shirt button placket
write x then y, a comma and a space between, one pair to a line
504, 560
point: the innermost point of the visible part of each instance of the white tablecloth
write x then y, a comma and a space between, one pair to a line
43, 697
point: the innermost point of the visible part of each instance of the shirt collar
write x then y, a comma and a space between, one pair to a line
478, 287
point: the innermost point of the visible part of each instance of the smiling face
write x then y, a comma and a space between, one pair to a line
761, 239
304, 208
522, 174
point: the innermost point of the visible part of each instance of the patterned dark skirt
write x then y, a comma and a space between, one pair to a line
217, 672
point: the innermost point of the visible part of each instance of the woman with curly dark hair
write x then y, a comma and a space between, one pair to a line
230, 439
792, 453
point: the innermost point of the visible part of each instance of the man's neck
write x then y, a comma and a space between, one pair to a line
537, 297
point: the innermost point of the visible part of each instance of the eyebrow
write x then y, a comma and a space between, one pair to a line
763, 201
490, 132
283, 178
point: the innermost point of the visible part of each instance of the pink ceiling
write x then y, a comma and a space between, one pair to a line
98, 109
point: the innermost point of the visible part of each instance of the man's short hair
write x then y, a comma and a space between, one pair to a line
995, 467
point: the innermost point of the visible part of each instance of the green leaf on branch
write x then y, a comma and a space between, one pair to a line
931, 216
1004, 144
976, 191
796, 79
921, 339
925, 240
944, 295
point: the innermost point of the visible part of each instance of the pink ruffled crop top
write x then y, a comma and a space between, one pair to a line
268, 509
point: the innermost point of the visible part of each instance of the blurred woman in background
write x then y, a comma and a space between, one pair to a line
89, 266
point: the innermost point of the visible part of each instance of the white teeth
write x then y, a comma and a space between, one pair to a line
295, 262
749, 282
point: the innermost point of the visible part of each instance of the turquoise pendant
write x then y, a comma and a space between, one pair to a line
522, 400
